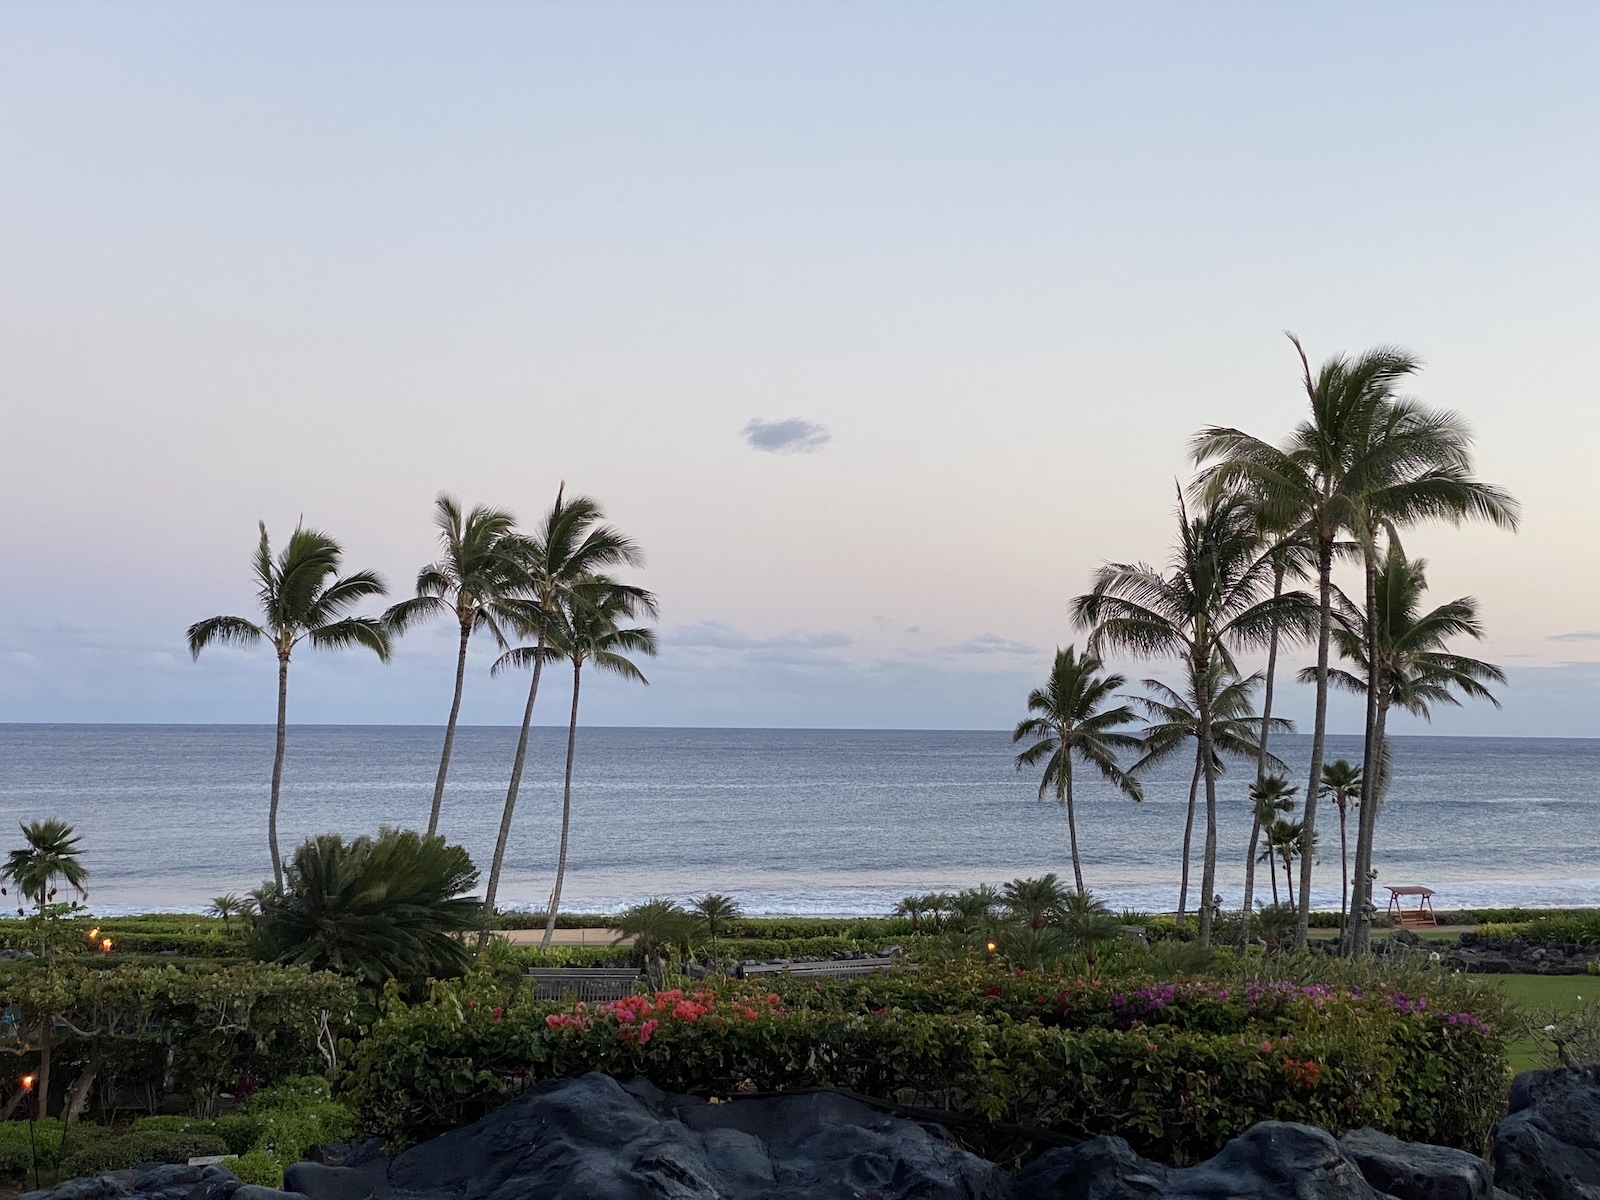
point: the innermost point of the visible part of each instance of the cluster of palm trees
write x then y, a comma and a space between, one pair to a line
1364, 463
543, 595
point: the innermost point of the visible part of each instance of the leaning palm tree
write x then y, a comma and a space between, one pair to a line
1414, 672
1174, 721
589, 631
570, 544
470, 582
1341, 783
1212, 601
1070, 721
1364, 456
303, 598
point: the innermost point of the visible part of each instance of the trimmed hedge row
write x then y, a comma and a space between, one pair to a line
1176, 1089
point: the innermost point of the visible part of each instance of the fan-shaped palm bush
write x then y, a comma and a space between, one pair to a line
390, 907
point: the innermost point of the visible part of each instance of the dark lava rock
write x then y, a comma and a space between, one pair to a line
1275, 1160
590, 1138
1548, 1145
1412, 1171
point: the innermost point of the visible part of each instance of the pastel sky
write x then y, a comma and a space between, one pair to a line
878, 325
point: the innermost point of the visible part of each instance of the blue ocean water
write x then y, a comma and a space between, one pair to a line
791, 821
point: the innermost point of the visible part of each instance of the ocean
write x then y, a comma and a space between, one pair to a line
788, 820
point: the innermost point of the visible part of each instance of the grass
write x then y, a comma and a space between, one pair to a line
1541, 993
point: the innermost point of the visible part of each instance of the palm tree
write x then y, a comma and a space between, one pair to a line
1363, 457
657, 927
716, 910
912, 908
1284, 838
972, 909
1212, 601
52, 853
571, 544
589, 631
1415, 671
1236, 731
470, 582
390, 907
1069, 719
1035, 902
1269, 796
230, 905
303, 598
1341, 783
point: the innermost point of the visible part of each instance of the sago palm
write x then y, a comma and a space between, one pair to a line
1363, 455
1070, 720
1415, 671
470, 582
1236, 732
1341, 784
571, 544
590, 631
303, 598
1035, 902
1213, 600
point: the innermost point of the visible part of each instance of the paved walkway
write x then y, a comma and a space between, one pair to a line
562, 937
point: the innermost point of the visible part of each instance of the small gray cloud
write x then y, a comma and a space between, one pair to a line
1577, 635
989, 643
714, 635
789, 436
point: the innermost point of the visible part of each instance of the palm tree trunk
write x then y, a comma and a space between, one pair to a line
1072, 821
511, 795
450, 730
1208, 873
566, 812
277, 769
46, 1040
1319, 731
1344, 875
1261, 766
1369, 757
1288, 874
1361, 905
1272, 873
1188, 832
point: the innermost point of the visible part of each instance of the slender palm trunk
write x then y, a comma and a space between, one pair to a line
1208, 872
1072, 820
566, 811
450, 730
1344, 875
1272, 872
1319, 731
1369, 757
511, 795
1261, 767
1361, 905
277, 769
1188, 833
1288, 874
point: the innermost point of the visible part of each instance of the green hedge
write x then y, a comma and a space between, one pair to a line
281, 1122
130, 1149
1176, 1078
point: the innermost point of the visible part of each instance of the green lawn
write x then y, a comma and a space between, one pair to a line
1541, 993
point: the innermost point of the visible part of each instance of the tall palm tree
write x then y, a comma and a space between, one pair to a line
1365, 455
589, 631
1283, 840
570, 544
716, 910
1174, 721
1341, 783
469, 582
1070, 720
303, 598
1415, 671
1213, 600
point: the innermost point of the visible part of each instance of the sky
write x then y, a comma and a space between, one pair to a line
878, 325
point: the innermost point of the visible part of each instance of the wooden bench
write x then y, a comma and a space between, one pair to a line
837, 968
584, 983
1413, 918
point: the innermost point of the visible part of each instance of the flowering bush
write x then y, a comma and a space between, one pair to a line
1176, 1068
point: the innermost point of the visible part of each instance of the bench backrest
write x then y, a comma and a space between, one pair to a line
585, 983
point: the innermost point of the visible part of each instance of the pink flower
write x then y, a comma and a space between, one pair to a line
645, 1030
1266, 1047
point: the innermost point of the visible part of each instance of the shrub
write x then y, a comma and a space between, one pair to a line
15, 1159
258, 1167
281, 1122
1581, 928
118, 1153
1177, 1069
46, 1140
1503, 929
